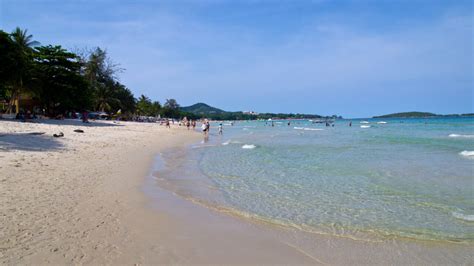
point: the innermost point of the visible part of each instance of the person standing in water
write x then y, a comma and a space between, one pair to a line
208, 126
220, 129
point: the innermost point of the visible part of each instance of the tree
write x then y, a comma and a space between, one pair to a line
146, 107
59, 85
24, 44
105, 96
8, 58
126, 100
155, 108
100, 72
171, 104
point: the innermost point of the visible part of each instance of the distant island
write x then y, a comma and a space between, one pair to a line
202, 110
419, 115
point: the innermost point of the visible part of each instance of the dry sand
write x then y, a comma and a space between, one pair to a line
88, 198
67, 200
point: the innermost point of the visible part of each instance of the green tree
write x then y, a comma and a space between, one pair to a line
171, 104
59, 85
146, 107
24, 43
155, 108
143, 105
100, 72
8, 58
106, 96
126, 100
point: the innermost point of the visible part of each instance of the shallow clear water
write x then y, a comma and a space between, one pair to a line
408, 178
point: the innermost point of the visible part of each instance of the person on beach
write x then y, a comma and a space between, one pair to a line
188, 124
194, 124
220, 129
208, 126
350, 124
168, 123
85, 117
204, 128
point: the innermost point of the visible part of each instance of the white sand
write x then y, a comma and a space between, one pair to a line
67, 200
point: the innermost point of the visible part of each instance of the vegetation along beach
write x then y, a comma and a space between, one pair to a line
236, 132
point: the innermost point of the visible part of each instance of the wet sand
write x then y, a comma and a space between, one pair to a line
207, 227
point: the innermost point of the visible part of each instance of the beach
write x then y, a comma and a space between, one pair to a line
75, 199
109, 196
80, 199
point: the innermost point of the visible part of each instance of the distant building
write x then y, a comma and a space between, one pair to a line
250, 113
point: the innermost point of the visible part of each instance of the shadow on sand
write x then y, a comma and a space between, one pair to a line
71, 122
28, 142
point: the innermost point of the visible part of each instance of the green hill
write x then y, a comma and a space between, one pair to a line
202, 109
407, 115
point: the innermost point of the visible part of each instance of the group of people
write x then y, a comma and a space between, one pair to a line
206, 126
188, 123
191, 124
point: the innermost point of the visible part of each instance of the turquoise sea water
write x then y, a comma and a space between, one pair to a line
403, 178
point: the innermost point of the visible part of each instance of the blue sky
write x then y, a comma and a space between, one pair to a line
353, 58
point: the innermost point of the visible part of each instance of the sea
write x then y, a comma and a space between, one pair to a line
376, 179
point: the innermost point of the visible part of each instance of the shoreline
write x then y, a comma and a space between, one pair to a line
91, 199
320, 247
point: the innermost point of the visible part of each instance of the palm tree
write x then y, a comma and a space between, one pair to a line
171, 104
106, 97
24, 43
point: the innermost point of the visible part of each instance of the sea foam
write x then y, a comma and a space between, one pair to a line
308, 128
465, 217
460, 136
469, 154
226, 143
249, 146
364, 126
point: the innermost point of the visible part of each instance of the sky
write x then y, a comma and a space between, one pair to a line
351, 58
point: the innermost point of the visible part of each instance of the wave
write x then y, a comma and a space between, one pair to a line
464, 217
460, 136
308, 128
202, 145
249, 146
231, 142
469, 154
364, 122
381, 122
363, 126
